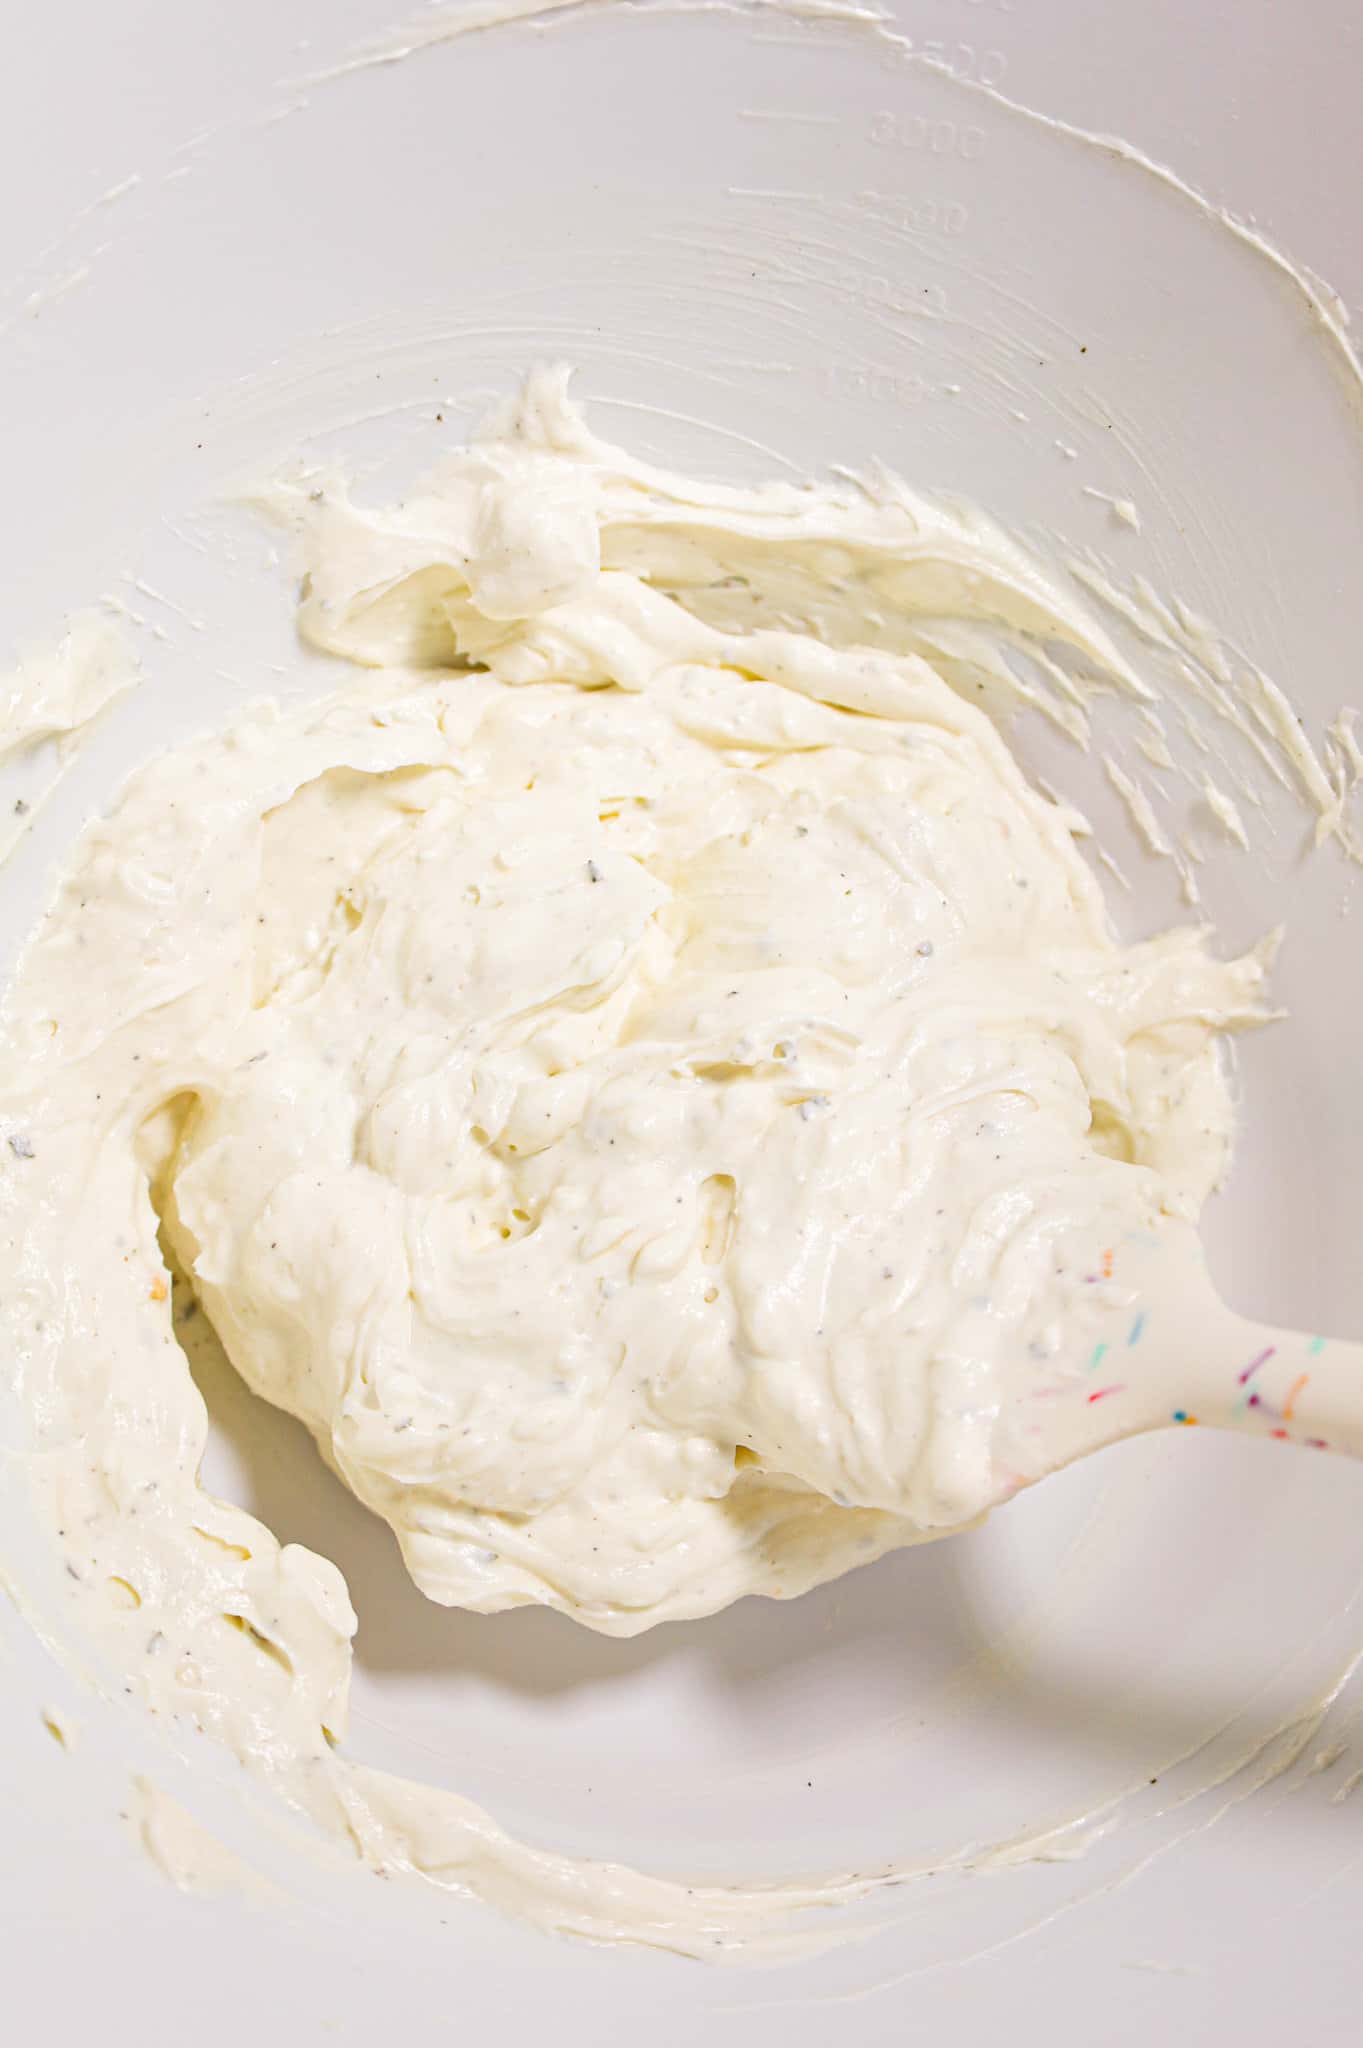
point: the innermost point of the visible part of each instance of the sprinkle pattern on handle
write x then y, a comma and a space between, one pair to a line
1161, 1349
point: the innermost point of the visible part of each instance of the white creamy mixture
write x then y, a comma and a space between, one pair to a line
48, 707
638, 1070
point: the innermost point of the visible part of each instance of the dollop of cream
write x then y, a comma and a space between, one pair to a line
49, 705
640, 1073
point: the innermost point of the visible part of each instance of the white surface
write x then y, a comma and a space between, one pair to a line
409, 239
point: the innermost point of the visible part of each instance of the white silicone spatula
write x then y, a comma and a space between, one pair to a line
1159, 1349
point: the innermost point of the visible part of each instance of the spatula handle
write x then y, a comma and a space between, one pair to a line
1157, 1348
1190, 1360
1281, 1384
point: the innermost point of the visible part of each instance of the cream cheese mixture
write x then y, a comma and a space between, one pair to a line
637, 1069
